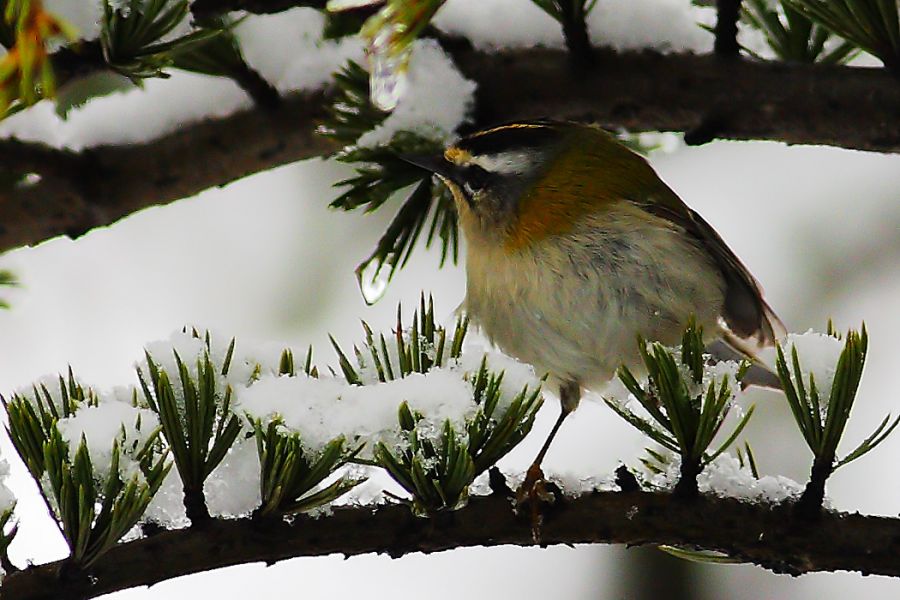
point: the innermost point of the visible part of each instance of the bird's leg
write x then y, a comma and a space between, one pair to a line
533, 491
535, 468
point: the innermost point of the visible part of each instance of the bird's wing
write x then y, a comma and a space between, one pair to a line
746, 312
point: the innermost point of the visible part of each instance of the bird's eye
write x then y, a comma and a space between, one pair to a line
474, 180
477, 177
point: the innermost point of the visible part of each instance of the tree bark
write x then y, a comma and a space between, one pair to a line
771, 536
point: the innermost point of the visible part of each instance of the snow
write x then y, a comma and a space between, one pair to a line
99, 425
189, 349
437, 100
287, 48
516, 375
7, 499
575, 484
252, 360
157, 109
371, 492
321, 410
50, 383
818, 354
726, 478
112, 419
483, 23
717, 374
167, 506
665, 25
233, 488
84, 15
481, 486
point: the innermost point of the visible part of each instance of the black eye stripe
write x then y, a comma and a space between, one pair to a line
477, 177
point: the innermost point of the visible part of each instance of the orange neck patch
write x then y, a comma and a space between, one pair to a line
595, 174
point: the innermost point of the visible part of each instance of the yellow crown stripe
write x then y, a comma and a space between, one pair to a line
506, 128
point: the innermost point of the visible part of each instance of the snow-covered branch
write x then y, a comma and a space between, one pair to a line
302, 423
114, 181
770, 536
701, 95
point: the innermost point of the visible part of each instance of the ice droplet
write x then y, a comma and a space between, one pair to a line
388, 80
389, 55
339, 5
373, 280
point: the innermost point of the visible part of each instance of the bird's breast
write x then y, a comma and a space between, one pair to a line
573, 304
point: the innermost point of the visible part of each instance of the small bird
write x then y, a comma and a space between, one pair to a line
575, 247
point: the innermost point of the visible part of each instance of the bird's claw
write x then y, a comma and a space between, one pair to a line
533, 495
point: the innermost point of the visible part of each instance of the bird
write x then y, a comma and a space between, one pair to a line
575, 247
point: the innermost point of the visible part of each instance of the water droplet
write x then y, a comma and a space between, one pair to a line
388, 80
339, 5
373, 278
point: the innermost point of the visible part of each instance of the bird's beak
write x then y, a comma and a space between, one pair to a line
436, 164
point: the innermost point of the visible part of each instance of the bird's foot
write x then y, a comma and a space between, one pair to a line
533, 495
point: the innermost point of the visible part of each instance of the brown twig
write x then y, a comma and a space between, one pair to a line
728, 14
575, 32
809, 506
263, 93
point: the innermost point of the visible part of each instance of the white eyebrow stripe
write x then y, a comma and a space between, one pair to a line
504, 162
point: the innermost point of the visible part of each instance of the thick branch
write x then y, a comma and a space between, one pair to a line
114, 181
768, 536
798, 104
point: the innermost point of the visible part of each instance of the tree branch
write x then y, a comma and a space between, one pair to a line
798, 104
114, 181
769, 536
263, 93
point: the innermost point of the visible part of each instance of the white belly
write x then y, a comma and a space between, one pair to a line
574, 305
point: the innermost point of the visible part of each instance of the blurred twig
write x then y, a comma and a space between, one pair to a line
810, 104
